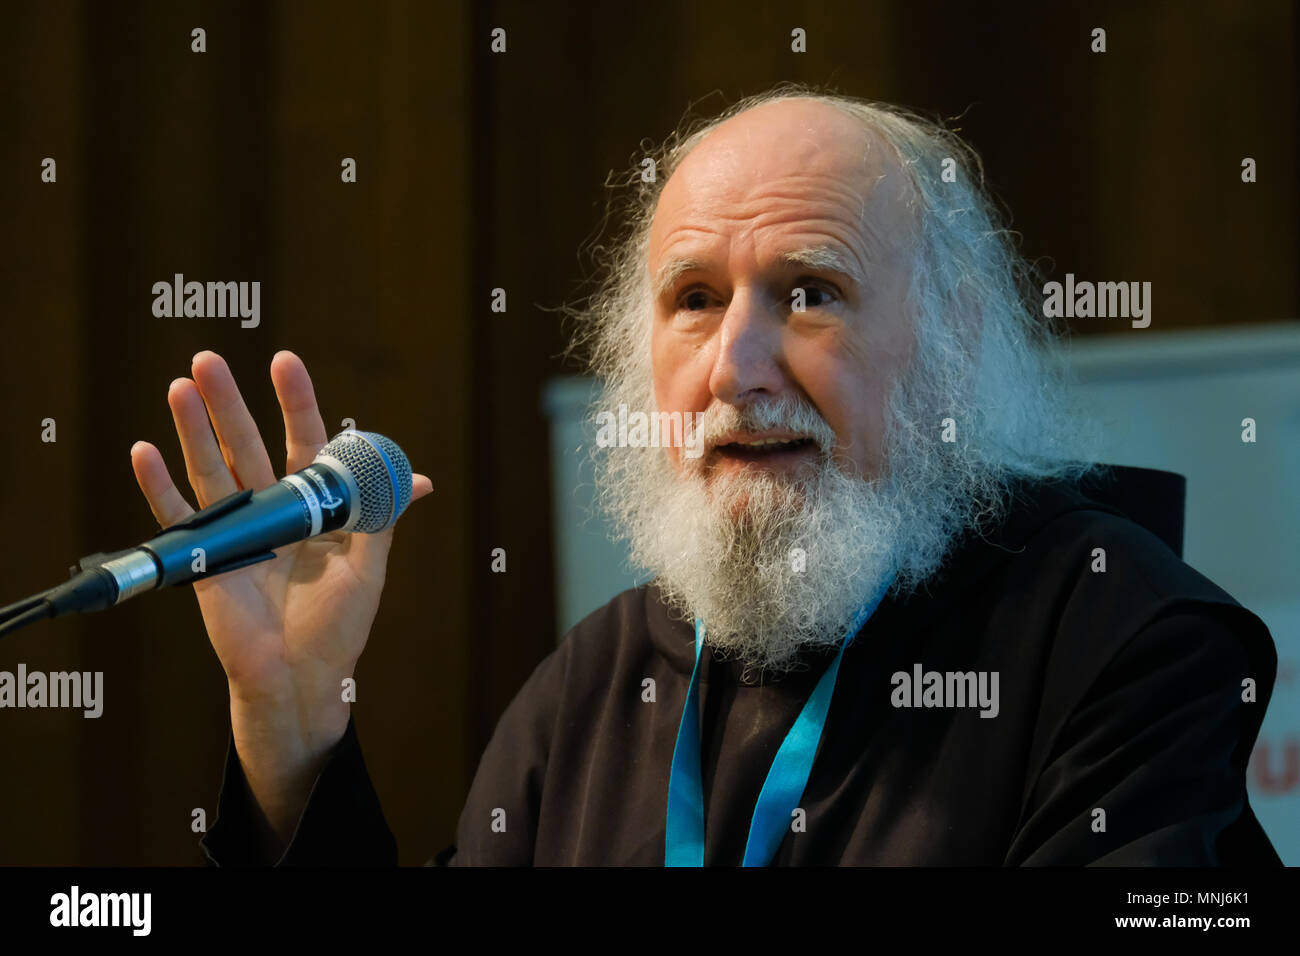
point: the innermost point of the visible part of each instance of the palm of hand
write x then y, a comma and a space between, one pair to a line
311, 604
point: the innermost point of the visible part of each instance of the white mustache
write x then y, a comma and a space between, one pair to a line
786, 414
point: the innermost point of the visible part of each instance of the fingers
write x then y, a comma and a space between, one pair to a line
304, 430
234, 457
165, 501
209, 475
241, 443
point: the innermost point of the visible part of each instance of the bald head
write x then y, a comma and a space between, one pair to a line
790, 152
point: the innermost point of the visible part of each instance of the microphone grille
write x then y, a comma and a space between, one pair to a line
381, 472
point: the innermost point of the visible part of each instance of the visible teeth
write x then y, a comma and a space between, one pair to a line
767, 441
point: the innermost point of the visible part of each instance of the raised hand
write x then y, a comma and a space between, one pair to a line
288, 631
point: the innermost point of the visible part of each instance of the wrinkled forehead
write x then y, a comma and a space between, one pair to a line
819, 173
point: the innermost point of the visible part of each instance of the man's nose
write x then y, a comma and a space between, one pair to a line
749, 351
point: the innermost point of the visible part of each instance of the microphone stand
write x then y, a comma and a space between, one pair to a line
22, 613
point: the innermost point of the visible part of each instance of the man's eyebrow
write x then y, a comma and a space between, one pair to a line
674, 269
825, 258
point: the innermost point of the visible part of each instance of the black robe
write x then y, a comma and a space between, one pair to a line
1119, 691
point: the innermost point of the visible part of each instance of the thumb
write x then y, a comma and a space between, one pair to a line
420, 486
369, 552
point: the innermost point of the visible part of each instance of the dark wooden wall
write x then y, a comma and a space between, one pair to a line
225, 166
479, 171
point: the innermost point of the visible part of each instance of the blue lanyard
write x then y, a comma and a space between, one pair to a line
784, 786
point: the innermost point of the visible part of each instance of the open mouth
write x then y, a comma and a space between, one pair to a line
765, 449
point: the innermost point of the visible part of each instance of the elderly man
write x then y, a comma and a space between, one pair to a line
885, 625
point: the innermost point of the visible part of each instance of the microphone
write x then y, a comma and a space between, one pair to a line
359, 482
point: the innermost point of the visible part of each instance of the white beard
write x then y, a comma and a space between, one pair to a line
728, 549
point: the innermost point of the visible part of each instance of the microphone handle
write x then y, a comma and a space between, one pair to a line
241, 529
249, 526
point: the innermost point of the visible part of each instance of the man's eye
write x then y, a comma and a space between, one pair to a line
695, 299
814, 296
